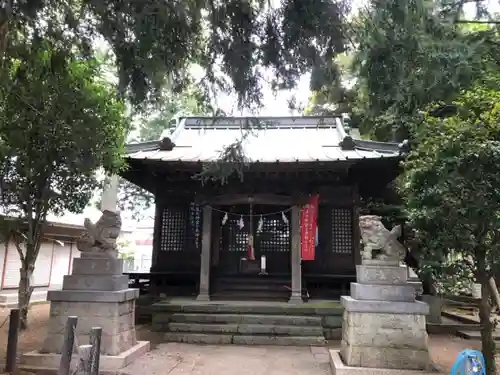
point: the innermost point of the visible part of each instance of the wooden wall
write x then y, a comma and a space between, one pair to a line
177, 239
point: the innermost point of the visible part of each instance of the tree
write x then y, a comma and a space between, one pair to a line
59, 122
407, 55
451, 185
190, 102
155, 42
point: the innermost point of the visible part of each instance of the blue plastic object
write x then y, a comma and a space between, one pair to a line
475, 357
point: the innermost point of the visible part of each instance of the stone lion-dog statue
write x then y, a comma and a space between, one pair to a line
101, 237
375, 236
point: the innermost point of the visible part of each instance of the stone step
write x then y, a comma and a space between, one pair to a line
247, 329
254, 280
251, 287
216, 339
476, 334
244, 307
297, 320
252, 295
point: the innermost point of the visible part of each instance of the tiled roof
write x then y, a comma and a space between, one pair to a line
280, 139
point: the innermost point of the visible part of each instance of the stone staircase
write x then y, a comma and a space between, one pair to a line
245, 324
261, 288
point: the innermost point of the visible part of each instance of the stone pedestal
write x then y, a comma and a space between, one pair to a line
97, 293
384, 326
435, 308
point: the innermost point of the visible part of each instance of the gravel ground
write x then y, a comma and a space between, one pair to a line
444, 349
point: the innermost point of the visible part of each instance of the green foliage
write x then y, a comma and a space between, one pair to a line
451, 178
232, 161
157, 41
451, 185
330, 94
59, 121
191, 102
407, 55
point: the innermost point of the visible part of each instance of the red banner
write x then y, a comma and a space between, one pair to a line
309, 219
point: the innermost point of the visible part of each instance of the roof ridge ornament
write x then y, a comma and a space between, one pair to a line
347, 143
404, 147
166, 144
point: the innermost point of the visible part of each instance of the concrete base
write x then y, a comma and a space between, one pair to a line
339, 368
203, 297
48, 363
296, 299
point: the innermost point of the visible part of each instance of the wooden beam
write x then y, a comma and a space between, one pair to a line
265, 199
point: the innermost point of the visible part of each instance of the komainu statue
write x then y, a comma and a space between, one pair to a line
101, 237
375, 236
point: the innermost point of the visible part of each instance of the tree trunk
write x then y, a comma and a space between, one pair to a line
487, 341
494, 292
25, 291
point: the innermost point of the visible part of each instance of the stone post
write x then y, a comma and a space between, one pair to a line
110, 195
296, 295
204, 292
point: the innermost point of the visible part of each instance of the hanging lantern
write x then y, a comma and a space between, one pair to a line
224, 219
241, 223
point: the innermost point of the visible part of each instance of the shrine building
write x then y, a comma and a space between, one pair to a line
287, 230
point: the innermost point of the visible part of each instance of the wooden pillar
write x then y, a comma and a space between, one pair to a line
204, 292
296, 296
356, 235
155, 258
216, 232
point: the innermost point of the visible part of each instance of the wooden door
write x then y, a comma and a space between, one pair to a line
233, 240
272, 238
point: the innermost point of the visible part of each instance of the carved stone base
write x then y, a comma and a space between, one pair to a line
98, 294
385, 340
48, 363
338, 367
117, 320
383, 326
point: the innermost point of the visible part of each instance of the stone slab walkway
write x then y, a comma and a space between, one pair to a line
185, 359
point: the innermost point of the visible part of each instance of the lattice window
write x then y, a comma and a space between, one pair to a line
342, 241
275, 234
236, 238
173, 230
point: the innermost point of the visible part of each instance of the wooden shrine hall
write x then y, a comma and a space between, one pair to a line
286, 229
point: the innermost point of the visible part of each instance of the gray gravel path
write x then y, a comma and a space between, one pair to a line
185, 359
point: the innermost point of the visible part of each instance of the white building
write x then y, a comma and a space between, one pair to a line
138, 244
55, 259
